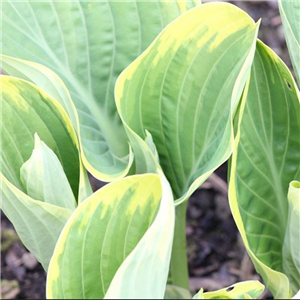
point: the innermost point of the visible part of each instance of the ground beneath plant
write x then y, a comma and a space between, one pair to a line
216, 255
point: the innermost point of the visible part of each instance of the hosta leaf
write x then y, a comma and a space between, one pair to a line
87, 44
290, 15
44, 178
144, 273
50, 83
44, 78
25, 111
37, 223
119, 238
265, 160
242, 290
175, 292
184, 89
291, 246
85, 188
297, 296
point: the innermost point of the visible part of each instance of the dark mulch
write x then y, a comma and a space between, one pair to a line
216, 254
23, 276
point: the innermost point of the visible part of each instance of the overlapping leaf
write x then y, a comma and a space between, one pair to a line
37, 223
88, 44
184, 90
44, 179
27, 110
243, 290
290, 15
51, 83
117, 244
291, 246
297, 296
265, 160
45, 79
144, 273
175, 292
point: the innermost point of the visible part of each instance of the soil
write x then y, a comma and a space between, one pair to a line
216, 255
22, 277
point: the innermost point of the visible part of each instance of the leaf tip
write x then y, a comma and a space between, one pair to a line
258, 22
37, 140
295, 184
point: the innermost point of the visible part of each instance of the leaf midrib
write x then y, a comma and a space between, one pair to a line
101, 117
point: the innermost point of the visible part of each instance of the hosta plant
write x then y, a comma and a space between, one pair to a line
152, 97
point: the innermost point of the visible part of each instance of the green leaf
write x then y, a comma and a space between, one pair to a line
45, 79
85, 189
243, 290
297, 296
265, 160
50, 83
37, 223
184, 90
199, 295
147, 266
290, 15
175, 292
25, 111
291, 246
44, 178
122, 236
87, 44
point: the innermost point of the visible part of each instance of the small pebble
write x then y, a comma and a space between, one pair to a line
29, 261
